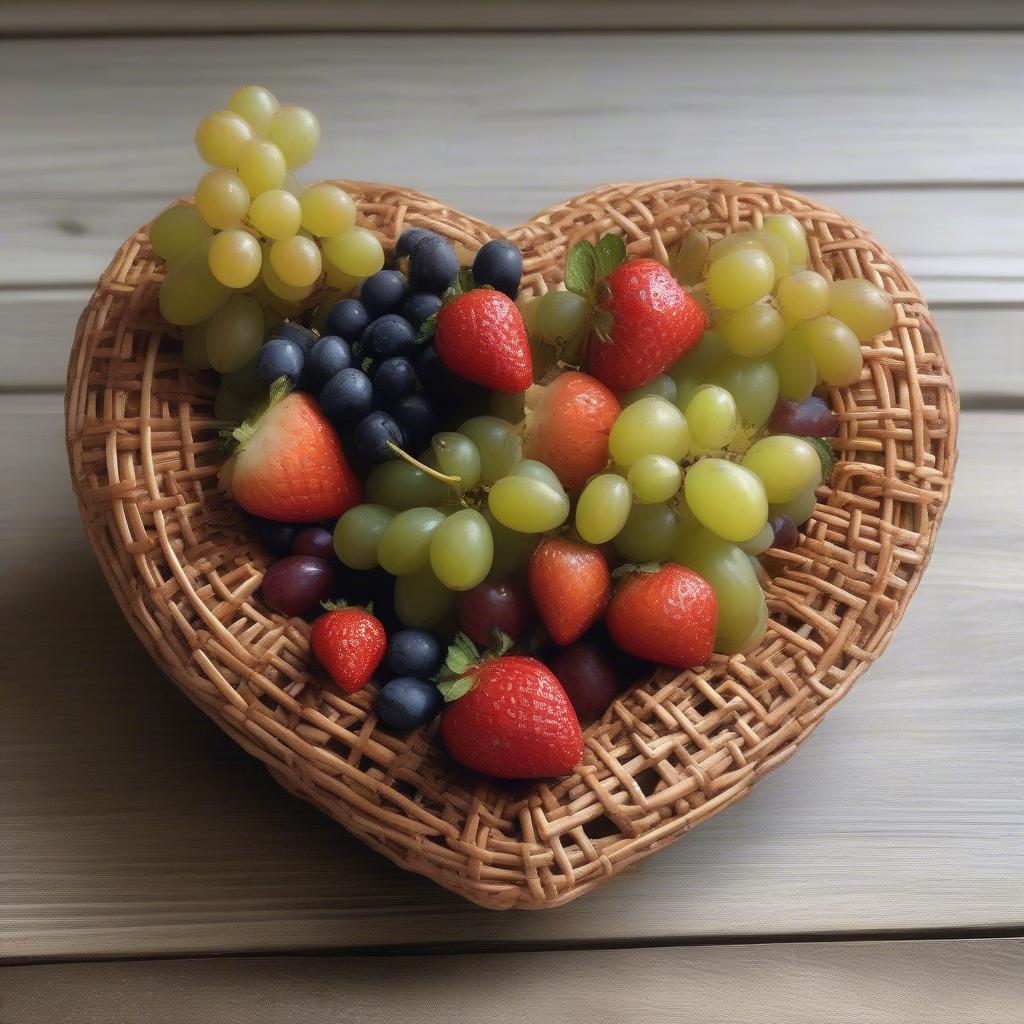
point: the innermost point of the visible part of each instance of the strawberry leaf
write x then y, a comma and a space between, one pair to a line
427, 330
609, 253
453, 689
502, 644
581, 269
826, 455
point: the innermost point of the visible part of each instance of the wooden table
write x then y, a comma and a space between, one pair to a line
149, 870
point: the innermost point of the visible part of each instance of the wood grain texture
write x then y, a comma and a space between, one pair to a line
136, 828
495, 109
972, 981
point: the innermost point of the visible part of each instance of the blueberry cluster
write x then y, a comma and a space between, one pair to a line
410, 699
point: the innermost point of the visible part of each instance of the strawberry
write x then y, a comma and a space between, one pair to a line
665, 614
288, 464
507, 716
645, 320
480, 335
570, 584
569, 422
350, 643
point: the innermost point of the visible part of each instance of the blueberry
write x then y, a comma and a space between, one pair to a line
433, 265
373, 435
347, 319
416, 416
419, 307
281, 357
278, 537
414, 652
435, 377
347, 397
330, 355
500, 264
390, 335
304, 336
409, 239
395, 378
383, 292
407, 703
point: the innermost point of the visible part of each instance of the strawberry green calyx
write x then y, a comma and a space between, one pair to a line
339, 606
231, 439
633, 569
588, 264
463, 663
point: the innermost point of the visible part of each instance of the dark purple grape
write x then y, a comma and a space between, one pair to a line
417, 419
499, 263
433, 265
304, 336
407, 703
374, 435
347, 397
330, 355
419, 307
297, 584
347, 319
409, 239
281, 357
383, 292
395, 378
390, 335
503, 605
810, 418
588, 677
315, 541
278, 537
785, 535
414, 652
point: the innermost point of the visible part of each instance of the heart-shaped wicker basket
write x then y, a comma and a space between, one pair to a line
671, 752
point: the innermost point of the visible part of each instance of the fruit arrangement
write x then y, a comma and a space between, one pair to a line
585, 483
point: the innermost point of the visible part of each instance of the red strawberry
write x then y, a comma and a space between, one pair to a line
570, 584
481, 336
510, 719
652, 321
350, 643
289, 465
667, 616
569, 427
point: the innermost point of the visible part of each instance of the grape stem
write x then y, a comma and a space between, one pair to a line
451, 481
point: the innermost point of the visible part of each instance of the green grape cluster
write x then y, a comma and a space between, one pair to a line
254, 246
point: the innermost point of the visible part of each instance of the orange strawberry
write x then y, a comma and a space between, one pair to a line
288, 464
570, 584
350, 643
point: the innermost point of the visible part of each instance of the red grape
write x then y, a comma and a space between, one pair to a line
503, 605
589, 678
316, 542
810, 418
785, 534
298, 584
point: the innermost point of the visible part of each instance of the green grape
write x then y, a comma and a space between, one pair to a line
523, 503
462, 550
754, 331
228, 406
176, 230
731, 576
791, 231
800, 509
794, 366
190, 293
648, 534
234, 334
692, 370
603, 508
399, 485
291, 184
457, 456
235, 258
405, 543
788, 466
803, 295
275, 214
538, 471
726, 498
651, 426
498, 444
278, 288
864, 307
754, 385
756, 634
261, 166
193, 348
220, 136
512, 549
256, 104
421, 600
222, 199
740, 278
356, 251
296, 132
528, 310
296, 261
654, 478
247, 382
692, 257
777, 251
761, 541
735, 240
662, 386
327, 210
835, 351
346, 284
357, 535
688, 522
560, 316
712, 417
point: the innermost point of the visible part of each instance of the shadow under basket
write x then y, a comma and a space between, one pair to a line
673, 751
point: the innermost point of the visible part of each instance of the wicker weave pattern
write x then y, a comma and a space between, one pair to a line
669, 754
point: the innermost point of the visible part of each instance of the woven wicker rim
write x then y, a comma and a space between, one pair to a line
671, 752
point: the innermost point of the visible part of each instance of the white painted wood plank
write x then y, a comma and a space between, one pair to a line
132, 826
563, 111
985, 345
914, 982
